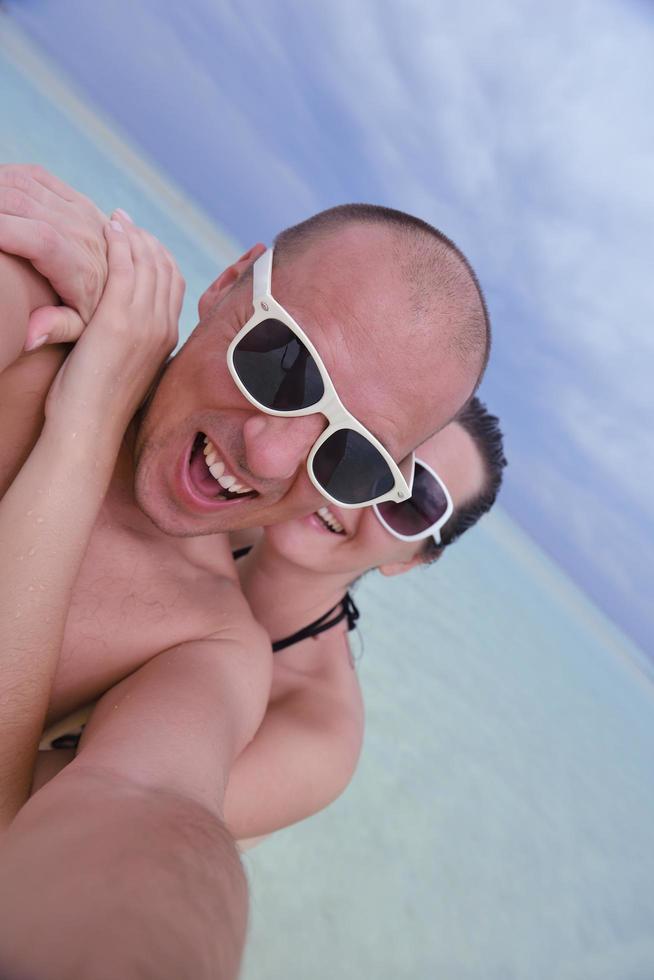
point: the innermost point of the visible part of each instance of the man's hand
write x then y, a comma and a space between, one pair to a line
60, 232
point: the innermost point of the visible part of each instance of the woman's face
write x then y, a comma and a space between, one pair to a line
337, 540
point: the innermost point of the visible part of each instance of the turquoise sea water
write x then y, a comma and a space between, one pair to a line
500, 824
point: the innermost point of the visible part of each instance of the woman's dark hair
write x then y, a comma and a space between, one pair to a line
484, 429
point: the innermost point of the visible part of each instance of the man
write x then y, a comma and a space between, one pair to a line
398, 320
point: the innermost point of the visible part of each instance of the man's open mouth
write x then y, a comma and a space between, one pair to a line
209, 474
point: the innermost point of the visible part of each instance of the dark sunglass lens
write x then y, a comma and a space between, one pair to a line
277, 369
426, 506
351, 469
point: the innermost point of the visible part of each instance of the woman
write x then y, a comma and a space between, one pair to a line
296, 579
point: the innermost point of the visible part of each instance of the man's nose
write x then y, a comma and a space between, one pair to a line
276, 447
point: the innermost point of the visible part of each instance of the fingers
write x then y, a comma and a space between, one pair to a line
176, 297
145, 252
169, 293
31, 184
53, 325
144, 283
159, 286
120, 283
24, 197
30, 203
26, 175
46, 249
129, 335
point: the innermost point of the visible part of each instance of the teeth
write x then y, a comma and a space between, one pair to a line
329, 519
217, 470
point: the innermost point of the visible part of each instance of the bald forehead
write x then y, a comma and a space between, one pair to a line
354, 255
391, 363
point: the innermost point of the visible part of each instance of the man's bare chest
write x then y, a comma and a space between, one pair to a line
132, 599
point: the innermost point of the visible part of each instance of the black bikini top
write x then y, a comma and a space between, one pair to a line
345, 609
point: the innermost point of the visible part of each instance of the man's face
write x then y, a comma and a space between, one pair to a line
389, 369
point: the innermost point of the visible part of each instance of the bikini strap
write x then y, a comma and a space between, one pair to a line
346, 610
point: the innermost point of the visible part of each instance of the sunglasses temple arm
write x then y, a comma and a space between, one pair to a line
412, 474
262, 275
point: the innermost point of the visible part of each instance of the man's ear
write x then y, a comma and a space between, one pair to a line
226, 279
399, 567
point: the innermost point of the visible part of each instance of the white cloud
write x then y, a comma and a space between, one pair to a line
536, 129
523, 131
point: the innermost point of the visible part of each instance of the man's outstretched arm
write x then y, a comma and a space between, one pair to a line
301, 759
123, 859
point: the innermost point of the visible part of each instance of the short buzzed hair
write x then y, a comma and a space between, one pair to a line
484, 430
430, 263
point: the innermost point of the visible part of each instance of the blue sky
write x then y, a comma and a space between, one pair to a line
523, 130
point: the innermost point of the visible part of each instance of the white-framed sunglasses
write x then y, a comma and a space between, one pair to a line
277, 368
424, 513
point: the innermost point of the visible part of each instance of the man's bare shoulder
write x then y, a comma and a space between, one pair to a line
138, 593
232, 612
213, 623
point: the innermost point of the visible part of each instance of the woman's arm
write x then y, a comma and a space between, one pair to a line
301, 759
47, 514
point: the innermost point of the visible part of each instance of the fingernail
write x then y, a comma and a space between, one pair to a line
116, 225
39, 342
125, 215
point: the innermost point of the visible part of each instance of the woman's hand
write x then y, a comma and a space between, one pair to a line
106, 376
